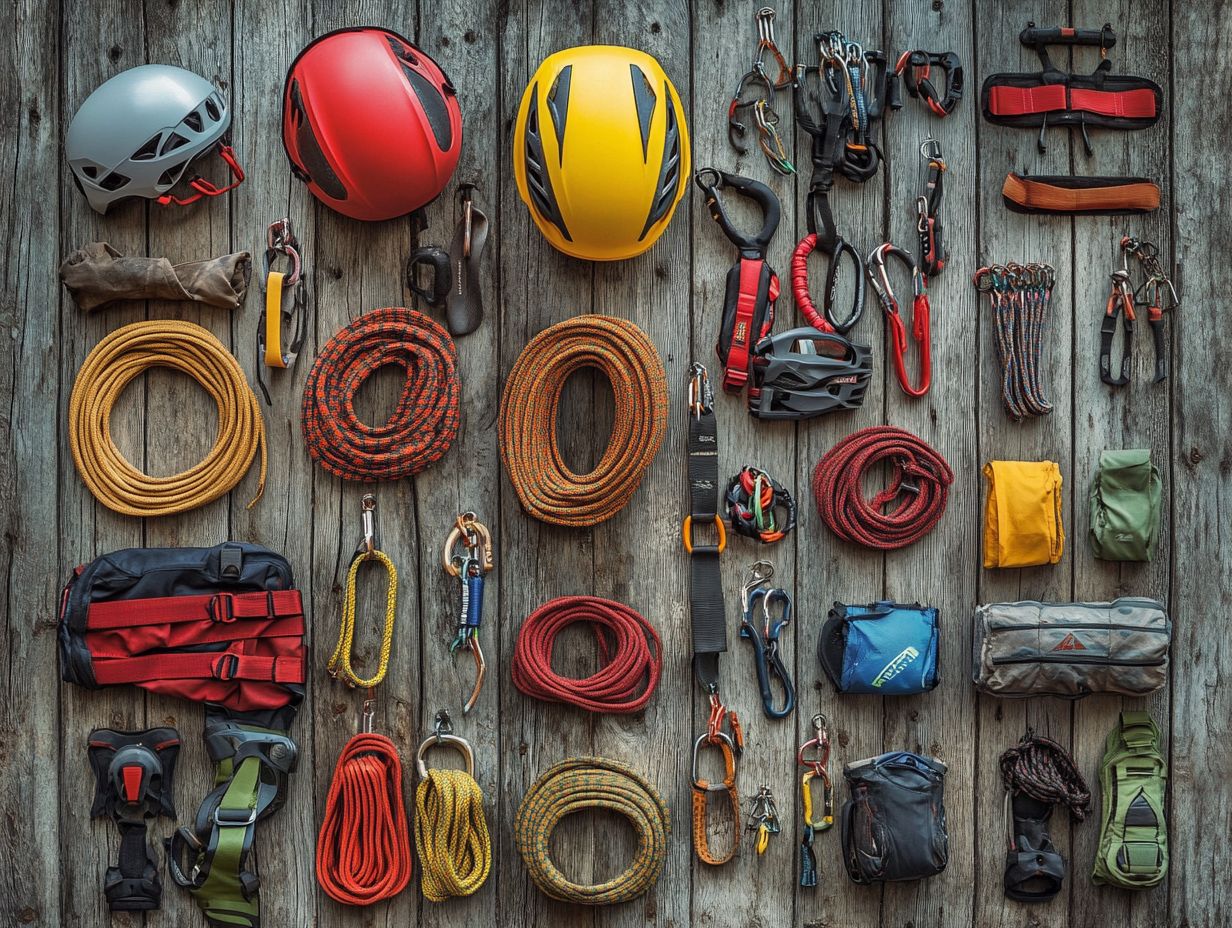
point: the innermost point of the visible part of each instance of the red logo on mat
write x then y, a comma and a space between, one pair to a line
1070, 643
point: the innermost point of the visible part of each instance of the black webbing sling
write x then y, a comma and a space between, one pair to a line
705, 580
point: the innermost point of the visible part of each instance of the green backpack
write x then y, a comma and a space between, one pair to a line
1133, 837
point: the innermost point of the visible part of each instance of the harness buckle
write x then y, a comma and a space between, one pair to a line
226, 667
222, 608
242, 817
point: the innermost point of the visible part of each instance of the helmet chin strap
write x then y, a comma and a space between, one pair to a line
205, 188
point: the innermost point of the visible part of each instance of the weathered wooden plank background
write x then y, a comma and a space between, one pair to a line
52, 856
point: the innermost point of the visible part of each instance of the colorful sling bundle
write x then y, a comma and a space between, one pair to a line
1071, 649
1125, 502
1022, 514
1133, 834
893, 826
882, 649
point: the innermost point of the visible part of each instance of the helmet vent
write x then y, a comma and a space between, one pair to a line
537, 182
433, 104
194, 121
669, 172
400, 50
644, 100
174, 141
146, 152
558, 106
113, 181
315, 163
212, 111
90, 171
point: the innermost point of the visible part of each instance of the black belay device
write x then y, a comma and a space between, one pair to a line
134, 773
806, 372
1053, 97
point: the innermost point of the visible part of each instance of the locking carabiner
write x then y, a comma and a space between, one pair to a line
817, 768
920, 312
767, 659
711, 180
467, 555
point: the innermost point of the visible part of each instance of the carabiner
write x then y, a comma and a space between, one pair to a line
920, 313
711, 180
368, 541
915, 67
701, 393
736, 130
835, 250
468, 563
767, 661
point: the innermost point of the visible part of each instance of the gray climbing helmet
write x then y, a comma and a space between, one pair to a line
138, 132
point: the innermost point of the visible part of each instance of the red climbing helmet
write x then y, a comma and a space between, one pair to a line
370, 123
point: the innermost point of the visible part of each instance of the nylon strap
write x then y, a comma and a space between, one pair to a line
218, 607
273, 320
706, 610
1098, 196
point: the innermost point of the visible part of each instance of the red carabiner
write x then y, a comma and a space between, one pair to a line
920, 315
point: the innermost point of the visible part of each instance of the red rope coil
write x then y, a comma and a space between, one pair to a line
921, 482
630, 654
364, 847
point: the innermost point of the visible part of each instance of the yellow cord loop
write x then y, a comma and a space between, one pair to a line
340, 662
451, 834
117, 361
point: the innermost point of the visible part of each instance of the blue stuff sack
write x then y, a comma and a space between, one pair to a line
882, 649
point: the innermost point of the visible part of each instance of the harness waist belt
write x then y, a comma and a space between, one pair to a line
1087, 196
1006, 100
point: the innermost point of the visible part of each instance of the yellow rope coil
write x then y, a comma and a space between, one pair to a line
115, 362
586, 783
340, 661
451, 835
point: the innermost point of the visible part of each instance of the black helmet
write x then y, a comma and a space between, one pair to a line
805, 372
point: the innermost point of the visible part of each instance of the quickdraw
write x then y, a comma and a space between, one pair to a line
1122, 300
761, 100
364, 846
933, 253
281, 315
897, 330
816, 768
758, 506
451, 833
916, 68
467, 557
1055, 97
849, 89
1021, 300
763, 820
762, 627
706, 611
752, 284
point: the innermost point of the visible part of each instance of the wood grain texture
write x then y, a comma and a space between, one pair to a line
53, 856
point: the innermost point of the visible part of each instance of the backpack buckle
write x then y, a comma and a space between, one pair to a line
222, 608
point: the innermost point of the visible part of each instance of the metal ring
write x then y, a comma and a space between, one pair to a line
461, 744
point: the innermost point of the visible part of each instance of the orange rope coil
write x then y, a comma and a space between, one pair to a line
548, 490
117, 361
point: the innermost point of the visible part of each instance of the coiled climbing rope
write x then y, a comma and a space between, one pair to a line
920, 484
630, 656
582, 783
1045, 771
114, 363
451, 834
548, 490
425, 421
363, 848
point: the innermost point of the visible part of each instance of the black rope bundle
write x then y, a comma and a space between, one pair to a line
1045, 771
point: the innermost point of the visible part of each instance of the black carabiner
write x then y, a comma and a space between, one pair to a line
437, 261
767, 660
711, 180
736, 130
915, 67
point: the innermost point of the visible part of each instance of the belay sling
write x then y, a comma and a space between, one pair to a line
223, 626
752, 284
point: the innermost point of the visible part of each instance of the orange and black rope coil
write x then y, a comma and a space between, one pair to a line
548, 490
425, 421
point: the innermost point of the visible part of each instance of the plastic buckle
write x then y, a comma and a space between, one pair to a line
222, 608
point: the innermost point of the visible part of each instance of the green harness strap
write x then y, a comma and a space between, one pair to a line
1133, 838
250, 780
1124, 501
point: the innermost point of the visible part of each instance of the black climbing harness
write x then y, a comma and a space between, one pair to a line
766, 612
134, 780
916, 70
837, 103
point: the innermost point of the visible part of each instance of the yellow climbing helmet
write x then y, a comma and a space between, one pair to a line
601, 151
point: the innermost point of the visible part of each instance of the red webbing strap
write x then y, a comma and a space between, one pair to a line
1131, 104
205, 666
217, 607
736, 365
1050, 98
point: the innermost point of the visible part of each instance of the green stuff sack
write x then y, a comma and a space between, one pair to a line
1124, 502
1133, 837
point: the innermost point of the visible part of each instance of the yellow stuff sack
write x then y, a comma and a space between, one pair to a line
1022, 514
